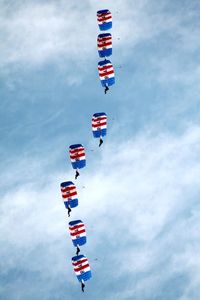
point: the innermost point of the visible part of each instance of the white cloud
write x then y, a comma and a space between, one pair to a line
140, 201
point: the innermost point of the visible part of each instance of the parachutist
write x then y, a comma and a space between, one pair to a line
77, 156
77, 250
77, 174
106, 89
82, 286
100, 142
69, 210
81, 269
106, 73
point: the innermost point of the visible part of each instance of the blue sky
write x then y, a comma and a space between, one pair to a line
139, 195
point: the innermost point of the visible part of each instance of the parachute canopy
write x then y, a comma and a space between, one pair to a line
81, 267
69, 194
99, 124
104, 44
106, 72
104, 19
77, 232
77, 156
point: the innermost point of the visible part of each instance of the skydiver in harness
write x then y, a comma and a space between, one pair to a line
100, 141
82, 285
77, 174
106, 89
77, 250
69, 210
68, 204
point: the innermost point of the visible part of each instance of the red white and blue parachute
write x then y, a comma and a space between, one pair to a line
104, 19
81, 267
77, 232
77, 156
104, 44
99, 124
106, 73
69, 194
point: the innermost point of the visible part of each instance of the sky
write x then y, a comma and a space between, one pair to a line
139, 194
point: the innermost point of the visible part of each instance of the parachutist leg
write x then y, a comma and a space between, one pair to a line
82, 285
77, 174
69, 210
77, 250
100, 141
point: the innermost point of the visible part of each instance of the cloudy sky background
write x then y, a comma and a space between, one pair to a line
139, 195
